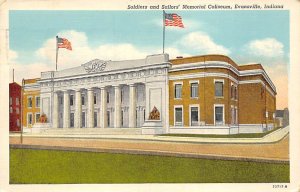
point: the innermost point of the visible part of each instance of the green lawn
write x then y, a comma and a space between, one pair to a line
54, 167
241, 135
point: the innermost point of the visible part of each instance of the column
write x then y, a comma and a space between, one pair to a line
66, 114
55, 110
103, 113
78, 109
90, 109
117, 119
132, 106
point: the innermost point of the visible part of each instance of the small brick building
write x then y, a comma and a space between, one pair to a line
15, 107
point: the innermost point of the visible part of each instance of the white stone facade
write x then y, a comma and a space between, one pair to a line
108, 94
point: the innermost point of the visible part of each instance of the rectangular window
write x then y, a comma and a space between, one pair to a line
178, 88
17, 101
178, 116
37, 102
82, 100
71, 100
194, 90
232, 116
10, 100
235, 93
18, 122
61, 100
219, 115
95, 99
219, 89
10, 110
29, 102
37, 117
29, 119
17, 110
108, 119
194, 116
121, 95
107, 97
232, 92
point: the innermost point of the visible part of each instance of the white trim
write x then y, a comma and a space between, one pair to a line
219, 80
190, 117
178, 83
193, 81
182, 117
219, 105
200, 75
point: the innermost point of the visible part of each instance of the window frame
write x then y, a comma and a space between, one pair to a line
223, 115
176, 84
29, 97
197, 93
36, 121
35, 103
190, 114
182, 117
219, 81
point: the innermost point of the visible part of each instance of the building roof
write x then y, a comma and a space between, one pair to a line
101, 66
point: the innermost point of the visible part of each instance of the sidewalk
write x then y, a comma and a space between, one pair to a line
270, 138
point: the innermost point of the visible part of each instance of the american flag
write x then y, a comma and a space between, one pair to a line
172, 19
64, 43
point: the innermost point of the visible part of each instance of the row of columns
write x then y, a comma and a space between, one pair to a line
90, 108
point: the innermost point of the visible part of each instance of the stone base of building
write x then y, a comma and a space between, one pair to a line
152, 127
222, 130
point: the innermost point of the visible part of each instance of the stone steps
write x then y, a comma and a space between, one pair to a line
92, 131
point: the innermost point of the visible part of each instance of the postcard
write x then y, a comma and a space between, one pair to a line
149, 96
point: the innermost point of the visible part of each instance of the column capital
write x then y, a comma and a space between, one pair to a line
90, 89
103, 88
132, 85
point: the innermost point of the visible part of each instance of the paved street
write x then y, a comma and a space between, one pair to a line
274, 151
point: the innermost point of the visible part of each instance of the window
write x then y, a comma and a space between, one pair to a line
10, 100
29, 102
194, 90
232, 115
235, 93
37, 102
17, 110
121, 95
82, 100
178, 116
194, 116
219, 119
71, 119
95, 99
232, 92
61, 100
107, 97
71, 100
18, 122
219, 89
29, 119
178, 88
95, 119
10, 110
17, 101
37, 117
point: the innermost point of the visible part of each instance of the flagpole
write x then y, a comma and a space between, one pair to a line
164, 20
56, 53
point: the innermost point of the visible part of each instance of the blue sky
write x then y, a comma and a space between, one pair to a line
232, 29
245, 36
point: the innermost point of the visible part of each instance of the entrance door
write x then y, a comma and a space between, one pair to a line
83, 119
72, 120
95, 119
108, 118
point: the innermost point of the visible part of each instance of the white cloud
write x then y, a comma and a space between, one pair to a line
202, 43
268, 47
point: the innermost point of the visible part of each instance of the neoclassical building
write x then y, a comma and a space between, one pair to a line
208, 94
